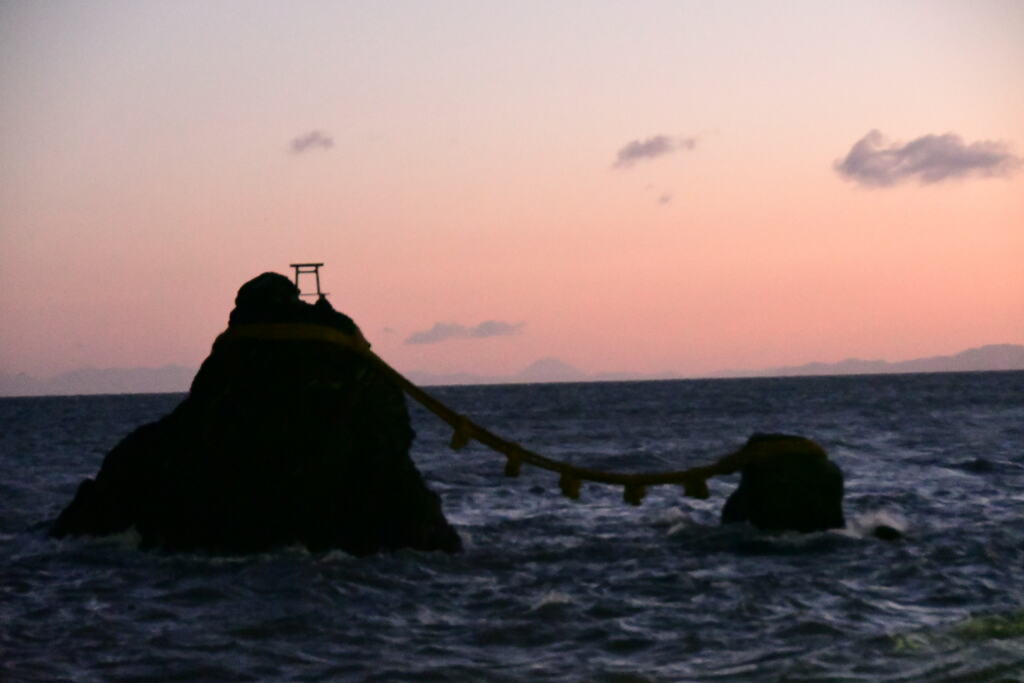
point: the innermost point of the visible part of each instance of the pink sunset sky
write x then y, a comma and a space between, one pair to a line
654, 187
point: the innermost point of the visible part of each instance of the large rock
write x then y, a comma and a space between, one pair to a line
787, 483
280, 441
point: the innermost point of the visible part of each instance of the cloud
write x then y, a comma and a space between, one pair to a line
874, 162
443, 331
311, 140
651, 148
664, 198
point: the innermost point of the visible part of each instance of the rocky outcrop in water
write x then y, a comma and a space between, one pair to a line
787, 484
280, 441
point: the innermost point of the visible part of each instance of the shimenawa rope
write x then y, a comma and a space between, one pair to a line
693, 480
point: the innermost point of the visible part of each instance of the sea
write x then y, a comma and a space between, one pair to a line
550, 589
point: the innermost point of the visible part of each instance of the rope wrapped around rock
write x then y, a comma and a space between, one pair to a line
693, 480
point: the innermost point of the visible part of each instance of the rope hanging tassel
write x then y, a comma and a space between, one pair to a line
462, 434
570, 486
693, 480
696, 487
634, 493
513, 465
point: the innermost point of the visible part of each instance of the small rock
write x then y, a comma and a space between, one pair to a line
787, 483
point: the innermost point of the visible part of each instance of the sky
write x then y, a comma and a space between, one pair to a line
652, 187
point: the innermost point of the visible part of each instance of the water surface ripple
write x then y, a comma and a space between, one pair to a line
551, 589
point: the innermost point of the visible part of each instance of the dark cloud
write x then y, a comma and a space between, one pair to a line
311, 140
641, 150
443, 331
875, 162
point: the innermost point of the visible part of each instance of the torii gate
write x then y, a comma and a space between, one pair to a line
309, 269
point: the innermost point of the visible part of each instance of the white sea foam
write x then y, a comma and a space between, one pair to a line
551, 599
864, 524
675, 520
671, 517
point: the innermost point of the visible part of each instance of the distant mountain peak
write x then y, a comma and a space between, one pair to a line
550, 370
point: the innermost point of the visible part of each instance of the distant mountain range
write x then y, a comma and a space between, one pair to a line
163, 380
982, 358
176, 378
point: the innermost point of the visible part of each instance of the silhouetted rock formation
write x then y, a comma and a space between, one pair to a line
280, 441
787, 483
